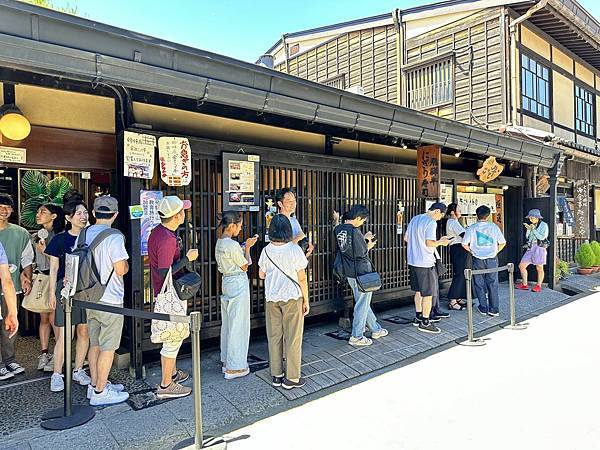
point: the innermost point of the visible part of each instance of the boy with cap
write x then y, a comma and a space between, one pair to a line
19, 251
105, 328
421, 241
537, 242
484, 241
164, 251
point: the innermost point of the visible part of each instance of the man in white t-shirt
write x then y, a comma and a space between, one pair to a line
286, 202
105, 328
485, 240
422, 241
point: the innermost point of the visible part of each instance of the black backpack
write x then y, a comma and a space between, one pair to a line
89, 285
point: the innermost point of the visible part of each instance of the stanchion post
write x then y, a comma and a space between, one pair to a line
512, 300
196, 320
471, 341
68, 340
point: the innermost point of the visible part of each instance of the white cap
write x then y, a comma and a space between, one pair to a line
171, 205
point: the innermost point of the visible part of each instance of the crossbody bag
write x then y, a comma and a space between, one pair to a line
283, 272
367, 282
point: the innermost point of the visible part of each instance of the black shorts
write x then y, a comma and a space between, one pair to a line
424, 280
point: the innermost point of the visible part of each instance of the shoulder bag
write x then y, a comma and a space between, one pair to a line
439, 266
367, 282
283, 272
37, 300
167, 302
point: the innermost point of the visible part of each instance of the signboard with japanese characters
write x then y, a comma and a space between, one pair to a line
429, 159
240, 182
13, 155
581, 191
490, 170
174, 156
498, 215
138, 155
150, 218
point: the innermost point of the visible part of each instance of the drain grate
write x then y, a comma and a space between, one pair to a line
255, 363
340, 335
399, 320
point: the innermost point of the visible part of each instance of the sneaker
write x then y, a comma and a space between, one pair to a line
49, 367
434, 318
482, 311
5, 374
81, 377
493, 314
109, 385
416, 322
180, 376
108, 397
277, 381
57, 384
43, 361
289, 384
15, 368
522, 286
232, 376
537, 288
360, 342
174, 390
442, 314
429, 328
379, 334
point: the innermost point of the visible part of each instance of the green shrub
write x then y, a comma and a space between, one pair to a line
562, 269
585, 256
596, 249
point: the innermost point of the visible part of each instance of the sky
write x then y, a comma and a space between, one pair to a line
237, 28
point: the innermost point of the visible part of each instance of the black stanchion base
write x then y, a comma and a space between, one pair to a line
214, 443
56, 420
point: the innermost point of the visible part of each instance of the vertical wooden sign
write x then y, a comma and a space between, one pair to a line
581, 193
429, 158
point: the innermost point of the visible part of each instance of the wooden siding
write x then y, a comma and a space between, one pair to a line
478, 55
366, 58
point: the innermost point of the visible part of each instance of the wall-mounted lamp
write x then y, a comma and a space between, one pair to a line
505, 188
13, 124
403, 145
457, 154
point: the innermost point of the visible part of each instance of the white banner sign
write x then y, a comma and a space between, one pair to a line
13, 155
138, 155
174, 155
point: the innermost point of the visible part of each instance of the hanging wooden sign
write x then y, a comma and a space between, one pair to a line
543, 184
490, 170
581, 191
429, 158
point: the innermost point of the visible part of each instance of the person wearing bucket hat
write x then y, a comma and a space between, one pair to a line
164, 251
537, 243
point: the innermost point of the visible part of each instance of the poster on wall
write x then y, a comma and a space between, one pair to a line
138, 155
150, 219
13, 155
581, 190
429, 159
468, 202
240, 182
174, 156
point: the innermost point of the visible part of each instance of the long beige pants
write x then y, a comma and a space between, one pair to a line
285, 326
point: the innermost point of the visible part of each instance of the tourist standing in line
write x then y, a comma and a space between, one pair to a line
19, 251
233, 262
421, 241
287, 203
282, 265
458, 258
8, 314
484, 241
536, 254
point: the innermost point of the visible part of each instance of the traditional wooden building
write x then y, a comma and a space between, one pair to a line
83, 85
527, 68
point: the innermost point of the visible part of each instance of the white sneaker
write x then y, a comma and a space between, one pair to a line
43, 361
81, 377
109, 385
108, 397
49, 367
360, 342
57, 384
231, 376
379, 334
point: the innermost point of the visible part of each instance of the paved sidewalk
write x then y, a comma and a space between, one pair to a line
228, 405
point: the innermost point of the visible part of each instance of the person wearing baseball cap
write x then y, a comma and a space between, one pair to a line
165, 253
536, 254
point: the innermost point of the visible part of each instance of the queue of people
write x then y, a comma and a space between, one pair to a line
282, 265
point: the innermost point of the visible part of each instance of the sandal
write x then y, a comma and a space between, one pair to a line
455, 305
462, 303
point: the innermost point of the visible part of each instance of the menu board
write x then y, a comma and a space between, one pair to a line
240, 182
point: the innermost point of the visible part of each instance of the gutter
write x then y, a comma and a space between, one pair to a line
513, 54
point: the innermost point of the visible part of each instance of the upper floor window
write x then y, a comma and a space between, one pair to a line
430, 85
584, 111
338, 82
535, 87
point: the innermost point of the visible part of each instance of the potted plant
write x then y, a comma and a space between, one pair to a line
596, 249
40, 189
585, 258
562, 269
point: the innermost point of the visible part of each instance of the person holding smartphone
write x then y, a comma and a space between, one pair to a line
233, 263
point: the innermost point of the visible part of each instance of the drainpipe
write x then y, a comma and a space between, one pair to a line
287, 53
513, 54
397, 17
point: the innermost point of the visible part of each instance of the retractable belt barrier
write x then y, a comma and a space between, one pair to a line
70, 416
469, 273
